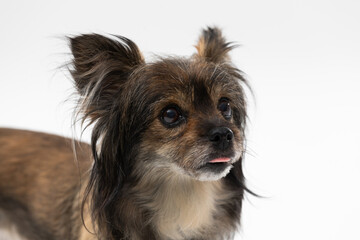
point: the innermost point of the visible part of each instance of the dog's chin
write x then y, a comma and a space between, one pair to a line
215, 167
211, 168
212, 171
207, 172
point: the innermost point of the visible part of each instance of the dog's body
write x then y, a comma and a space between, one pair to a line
40, 184
165, 156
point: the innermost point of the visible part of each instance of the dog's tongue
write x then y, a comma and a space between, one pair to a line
220, 160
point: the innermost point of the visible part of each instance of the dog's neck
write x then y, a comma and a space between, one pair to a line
183, 207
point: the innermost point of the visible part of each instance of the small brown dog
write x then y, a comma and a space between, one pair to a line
165, 160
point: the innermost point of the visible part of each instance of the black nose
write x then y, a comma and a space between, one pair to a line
221, 137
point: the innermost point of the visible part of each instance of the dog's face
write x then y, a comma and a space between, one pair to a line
185, 115
182, 117
195, 119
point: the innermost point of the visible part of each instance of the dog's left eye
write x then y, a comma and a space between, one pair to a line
171, 116
225, 108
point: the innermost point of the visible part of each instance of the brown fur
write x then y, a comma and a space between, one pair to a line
146, 179
40, 182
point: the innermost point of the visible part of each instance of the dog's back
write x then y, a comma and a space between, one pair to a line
39, 182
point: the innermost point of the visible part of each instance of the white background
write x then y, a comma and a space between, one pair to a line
302, 59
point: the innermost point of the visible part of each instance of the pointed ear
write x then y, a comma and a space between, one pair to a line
212, 46
100, 66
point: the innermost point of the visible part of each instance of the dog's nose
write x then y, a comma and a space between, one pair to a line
221, 137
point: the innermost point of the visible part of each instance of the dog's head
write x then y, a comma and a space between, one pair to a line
195, 116
186, 115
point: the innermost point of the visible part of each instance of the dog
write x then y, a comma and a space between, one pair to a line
166, 153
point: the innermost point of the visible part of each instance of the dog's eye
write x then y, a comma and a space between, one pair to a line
225, 108
171, 116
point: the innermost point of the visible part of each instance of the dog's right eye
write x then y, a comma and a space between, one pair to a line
171, 116
225, 108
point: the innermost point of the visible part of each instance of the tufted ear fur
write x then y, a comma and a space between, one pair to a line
212, 46
100, 66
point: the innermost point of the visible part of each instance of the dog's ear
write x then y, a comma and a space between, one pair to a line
212, 46
100, 66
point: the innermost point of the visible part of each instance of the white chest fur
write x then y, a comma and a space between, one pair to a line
183, 207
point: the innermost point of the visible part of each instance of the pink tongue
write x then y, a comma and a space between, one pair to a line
219, 160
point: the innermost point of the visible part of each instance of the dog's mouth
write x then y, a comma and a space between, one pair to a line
216, 165
220, 160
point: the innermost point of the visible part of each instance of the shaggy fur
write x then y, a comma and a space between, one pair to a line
165, 160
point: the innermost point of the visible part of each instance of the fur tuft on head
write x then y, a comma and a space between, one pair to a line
213, 47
